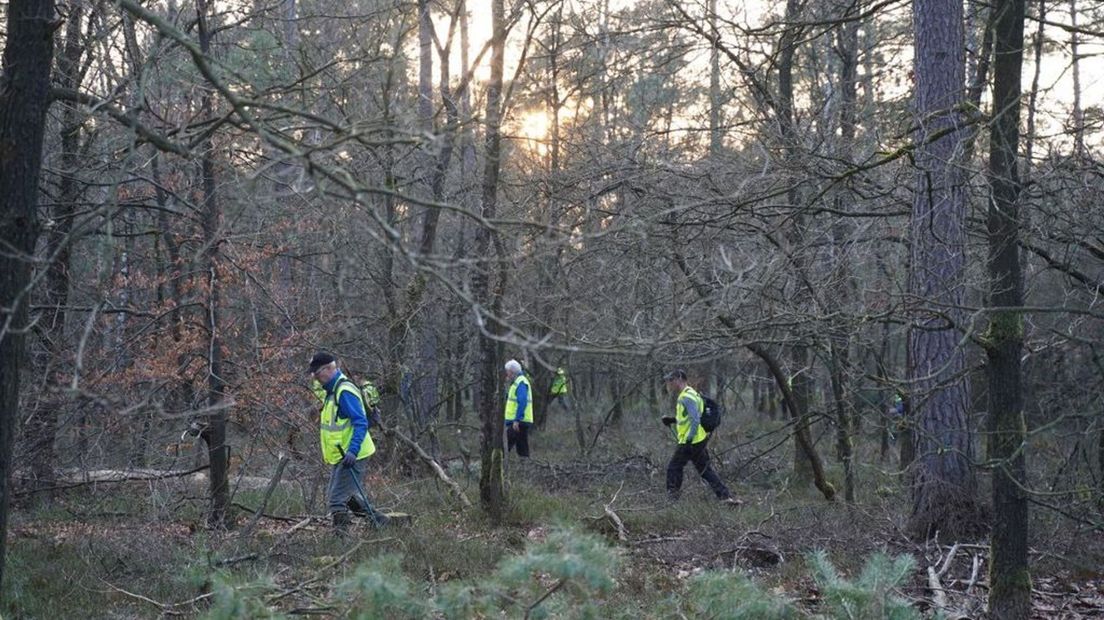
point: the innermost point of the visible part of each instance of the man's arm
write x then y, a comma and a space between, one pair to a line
694, 415
522, 402
351, 408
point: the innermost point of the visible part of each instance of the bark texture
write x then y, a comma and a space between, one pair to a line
24, 99
1010, 593
944, 488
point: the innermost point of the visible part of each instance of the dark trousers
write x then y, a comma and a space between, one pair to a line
563, 400
343, 486
699, 456
518, 438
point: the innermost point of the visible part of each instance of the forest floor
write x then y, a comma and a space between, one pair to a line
139, 549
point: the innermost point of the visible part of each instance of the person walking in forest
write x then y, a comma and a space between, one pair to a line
519, 409
558, 391
691, 439
345, 440
371, 396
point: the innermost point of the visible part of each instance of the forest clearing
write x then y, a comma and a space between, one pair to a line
552, 309
140, 549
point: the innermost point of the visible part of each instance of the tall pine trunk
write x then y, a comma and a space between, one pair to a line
24, 98
42, 428
944, 488
1010, 592
842, 334
214, 431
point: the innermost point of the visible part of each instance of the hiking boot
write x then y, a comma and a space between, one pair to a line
357, 509
342, 521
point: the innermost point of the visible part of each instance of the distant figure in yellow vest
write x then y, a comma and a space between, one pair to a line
318, 391
343, 434
691, 439
519, 409
558, 391
372, 400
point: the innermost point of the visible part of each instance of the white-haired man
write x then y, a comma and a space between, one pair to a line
519, 409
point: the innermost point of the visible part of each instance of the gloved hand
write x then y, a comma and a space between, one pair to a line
348, 460
668, 420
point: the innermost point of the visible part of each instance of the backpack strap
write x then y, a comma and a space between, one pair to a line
345, 379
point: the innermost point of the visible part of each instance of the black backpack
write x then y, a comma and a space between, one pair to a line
711, 416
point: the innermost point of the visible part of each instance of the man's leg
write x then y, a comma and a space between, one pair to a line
342, 489
564, 404
674, 470
523, 440
511, 437
360, 506
700, 456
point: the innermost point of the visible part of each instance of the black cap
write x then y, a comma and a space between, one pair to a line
321, 359
677, 373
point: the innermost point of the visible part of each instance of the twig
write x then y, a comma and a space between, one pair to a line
622, 535
950, 558
271, 548
312, 611
737, 549
267, 516
272, 484
345, 556
559, 584
973, 574
165, 609
437, 469
298, 526
651, 541
290, 591
194, 600
939, 597
241, 558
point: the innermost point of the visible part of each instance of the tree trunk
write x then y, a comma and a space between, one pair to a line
840, 295
944, 489
1075, 70
1010, 592
42, 430
716, 138
802, 437
492, 491
214, 431
1037, 72
24, 98
617, 412
801, 382
548, 274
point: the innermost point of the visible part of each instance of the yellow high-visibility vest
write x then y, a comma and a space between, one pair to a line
511, 400
371, 393
682, 419
559, 383
334, 431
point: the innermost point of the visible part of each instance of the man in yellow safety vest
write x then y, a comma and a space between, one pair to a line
343, 434
691, 439
519, 409
558, 390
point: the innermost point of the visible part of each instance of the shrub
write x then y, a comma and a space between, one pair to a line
871, 596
